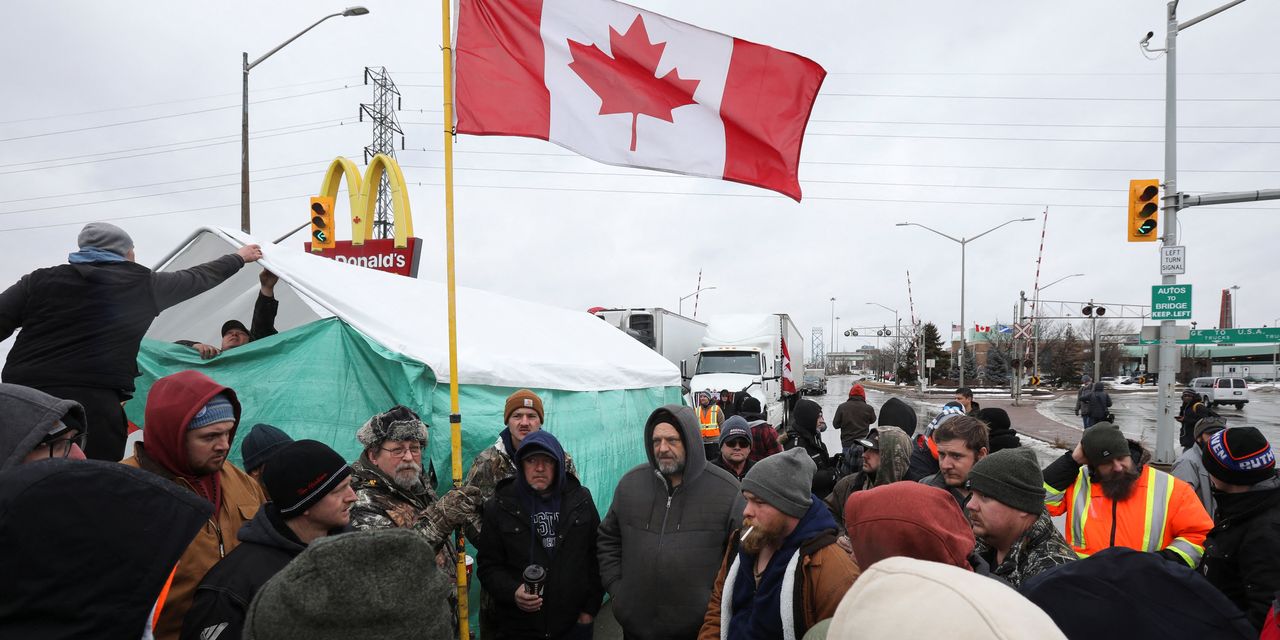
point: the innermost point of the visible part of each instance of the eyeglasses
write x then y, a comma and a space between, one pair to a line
414, 449
61, 446
738, 444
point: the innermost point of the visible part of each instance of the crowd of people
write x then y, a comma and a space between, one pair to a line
731, 528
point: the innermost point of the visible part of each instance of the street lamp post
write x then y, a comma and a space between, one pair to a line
963, 242
681, 305
244, 108
1235, 322
898, 334
837, 336
833, 319
1035, 320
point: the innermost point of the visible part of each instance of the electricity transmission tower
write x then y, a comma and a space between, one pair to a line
819, 352
382, 112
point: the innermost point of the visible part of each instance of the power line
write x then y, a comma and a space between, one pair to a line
1053, 98
151, 195
168, 102
883, 164
150, 215
1088, 74
166, 182
1049, 124
236, 137
163, 151
171, 115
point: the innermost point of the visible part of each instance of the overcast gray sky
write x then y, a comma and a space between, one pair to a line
914, 123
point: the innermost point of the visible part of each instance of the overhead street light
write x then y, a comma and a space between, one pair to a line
963, 242
244, 108
898, 328
682, 299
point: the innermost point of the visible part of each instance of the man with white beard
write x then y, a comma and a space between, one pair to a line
392, 489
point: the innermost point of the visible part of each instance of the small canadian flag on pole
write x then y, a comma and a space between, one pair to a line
629, 87
788, 378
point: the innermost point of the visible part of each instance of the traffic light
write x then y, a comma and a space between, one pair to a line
322, 224
1144, 210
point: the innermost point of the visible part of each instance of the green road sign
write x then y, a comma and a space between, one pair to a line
1171, 302
1229, 336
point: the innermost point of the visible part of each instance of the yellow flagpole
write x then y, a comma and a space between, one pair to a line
455, 412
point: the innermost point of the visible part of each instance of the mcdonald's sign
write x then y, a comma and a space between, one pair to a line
399, 255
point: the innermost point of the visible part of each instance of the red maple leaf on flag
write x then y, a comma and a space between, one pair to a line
628, 81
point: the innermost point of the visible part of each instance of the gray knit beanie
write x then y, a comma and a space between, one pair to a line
784, 481
370, 584
1011, 477
105, 236
1102, 442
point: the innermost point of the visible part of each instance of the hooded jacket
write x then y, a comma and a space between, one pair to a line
659, 546
86, 547
171, 404
806, 435
82, 324
509, 542
1189, 468
26, 416
908, 519
820, 571
1122, 593
1099, 401
854, 417
886, 600
897, 413
1242, 557
267, 544
895, 450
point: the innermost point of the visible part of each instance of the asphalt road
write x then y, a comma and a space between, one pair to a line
1135, 412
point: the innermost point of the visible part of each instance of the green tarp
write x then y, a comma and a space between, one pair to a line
323, 380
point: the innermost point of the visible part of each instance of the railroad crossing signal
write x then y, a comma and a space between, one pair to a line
1022, 331
1143, 210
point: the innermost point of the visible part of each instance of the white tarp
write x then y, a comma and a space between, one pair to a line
502, 341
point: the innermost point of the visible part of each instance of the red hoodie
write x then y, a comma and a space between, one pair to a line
173, 401
908, 519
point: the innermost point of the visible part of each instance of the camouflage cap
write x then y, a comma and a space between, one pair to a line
396, 424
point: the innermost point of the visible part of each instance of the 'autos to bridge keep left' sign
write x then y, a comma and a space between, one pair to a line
1171, 302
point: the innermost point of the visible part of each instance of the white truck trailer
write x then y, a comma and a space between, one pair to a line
672, 335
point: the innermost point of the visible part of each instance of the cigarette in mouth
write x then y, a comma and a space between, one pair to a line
747, 533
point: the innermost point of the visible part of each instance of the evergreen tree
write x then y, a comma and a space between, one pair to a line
933, 348
1067, 358
999, 365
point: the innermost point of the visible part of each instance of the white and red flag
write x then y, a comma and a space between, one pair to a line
629, 87
788, 378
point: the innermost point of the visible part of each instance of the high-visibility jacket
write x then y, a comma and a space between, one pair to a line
709, 418
1162, 513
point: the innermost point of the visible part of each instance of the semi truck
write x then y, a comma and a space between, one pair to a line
672, 335
760, 354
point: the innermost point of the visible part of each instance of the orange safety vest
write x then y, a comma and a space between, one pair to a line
710, 417
1163, 512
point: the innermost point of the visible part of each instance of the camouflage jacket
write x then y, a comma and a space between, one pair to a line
381, 504
1039, 549
491, 466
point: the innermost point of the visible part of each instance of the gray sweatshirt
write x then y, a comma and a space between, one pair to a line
26, 416
660, 548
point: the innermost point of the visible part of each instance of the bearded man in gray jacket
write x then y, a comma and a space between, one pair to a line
661, 543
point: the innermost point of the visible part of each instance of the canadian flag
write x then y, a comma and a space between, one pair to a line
629, 87
788, 378
981, 328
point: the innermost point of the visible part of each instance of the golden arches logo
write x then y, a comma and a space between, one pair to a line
363, 195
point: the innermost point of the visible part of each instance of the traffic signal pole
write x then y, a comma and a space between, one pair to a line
1166, 437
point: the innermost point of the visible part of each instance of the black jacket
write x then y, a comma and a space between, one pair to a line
267, 544
86, 546
805, 435
506, 546
1242, 552
746, 466
263, 323
82, 324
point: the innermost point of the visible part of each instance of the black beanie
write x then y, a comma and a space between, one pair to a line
301, 473
995, 417
1240, 456
1102, 442
896, 413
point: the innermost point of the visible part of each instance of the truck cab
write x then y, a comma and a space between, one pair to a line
736, 369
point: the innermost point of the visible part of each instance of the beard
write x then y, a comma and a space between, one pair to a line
670, 466
1118, 487
408, 476
762, 536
